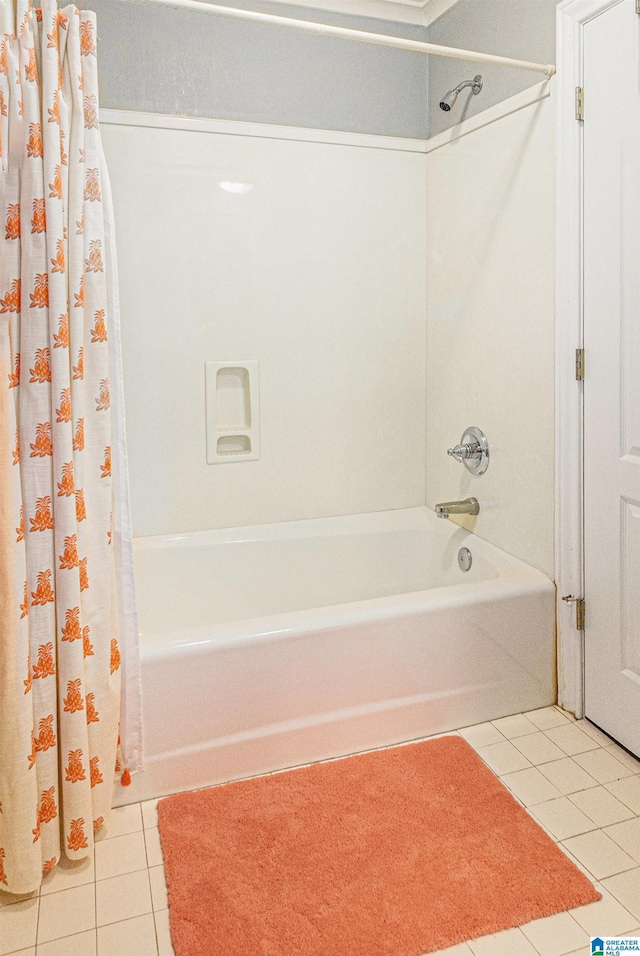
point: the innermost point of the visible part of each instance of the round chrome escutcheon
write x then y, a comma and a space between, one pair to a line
464, 559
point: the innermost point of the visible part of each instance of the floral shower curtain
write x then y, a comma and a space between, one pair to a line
67, 610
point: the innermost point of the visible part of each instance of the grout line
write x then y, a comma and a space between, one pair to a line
95, 896
38, 917
153, 912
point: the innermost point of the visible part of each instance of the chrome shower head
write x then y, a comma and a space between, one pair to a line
448, 100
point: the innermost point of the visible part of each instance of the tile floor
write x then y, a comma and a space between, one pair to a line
580, 786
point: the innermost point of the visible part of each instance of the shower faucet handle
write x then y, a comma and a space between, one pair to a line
468, 450
473, 451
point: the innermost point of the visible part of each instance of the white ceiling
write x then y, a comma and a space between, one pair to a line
419, 12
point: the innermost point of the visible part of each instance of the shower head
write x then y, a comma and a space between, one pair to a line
449, 98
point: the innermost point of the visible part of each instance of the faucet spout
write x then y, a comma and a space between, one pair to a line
469, 506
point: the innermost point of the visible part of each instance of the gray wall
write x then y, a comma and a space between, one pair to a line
168, 61
525, 29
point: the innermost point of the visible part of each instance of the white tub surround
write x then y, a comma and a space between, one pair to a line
490, 318
300, 250
276, 645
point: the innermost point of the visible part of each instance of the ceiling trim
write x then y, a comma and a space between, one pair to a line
417, 12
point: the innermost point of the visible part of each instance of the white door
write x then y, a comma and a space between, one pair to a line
612, 371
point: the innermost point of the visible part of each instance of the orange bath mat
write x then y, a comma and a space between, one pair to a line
398, 852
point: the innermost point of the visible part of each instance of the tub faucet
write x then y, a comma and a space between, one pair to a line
469, 506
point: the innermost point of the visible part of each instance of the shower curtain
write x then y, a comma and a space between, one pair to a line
69, 666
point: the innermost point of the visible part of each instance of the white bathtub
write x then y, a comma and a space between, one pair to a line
277, 645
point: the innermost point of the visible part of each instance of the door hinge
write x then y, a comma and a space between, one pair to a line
638, 7
580, 362
580, 102
579, 603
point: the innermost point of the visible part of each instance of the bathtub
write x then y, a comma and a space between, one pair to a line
272, 646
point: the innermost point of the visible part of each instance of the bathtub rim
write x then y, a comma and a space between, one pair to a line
293, 624
513, 578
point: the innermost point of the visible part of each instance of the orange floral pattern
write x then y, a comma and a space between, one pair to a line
31, 69
75, 770
78, 370
59, 263
94, 263
39, 218
99, 331
43, 518
40, 295
103, 400
78, 438
73, 702
106, 468
43, 594
54, 111
61, 339
4, 68
48, 810
67, 486
12, 228
81, 508
92, 186
93, 717
11, 299
41, 371
20, 528
69, 558
115, 655
35, 148
56, 185
76, 839
42, 446
84, 575
24, 607
90, 112
72, 630
79, 296
63, 414
32, 755
87, 43
46, 738
14, 377
94, 772
28, 683
87, 651
45, 666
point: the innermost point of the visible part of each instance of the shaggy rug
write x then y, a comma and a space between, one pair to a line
397, 852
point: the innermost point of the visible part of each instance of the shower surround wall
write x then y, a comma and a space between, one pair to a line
313, 267
490, 319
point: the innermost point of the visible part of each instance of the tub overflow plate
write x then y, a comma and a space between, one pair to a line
464, 559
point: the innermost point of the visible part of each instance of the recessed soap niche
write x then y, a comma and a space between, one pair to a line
233, 411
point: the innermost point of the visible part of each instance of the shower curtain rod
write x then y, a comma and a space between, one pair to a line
325, 29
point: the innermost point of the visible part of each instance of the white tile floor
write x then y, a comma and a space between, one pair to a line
581, 787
